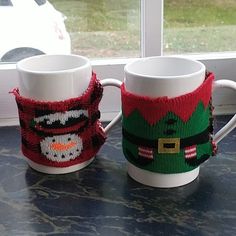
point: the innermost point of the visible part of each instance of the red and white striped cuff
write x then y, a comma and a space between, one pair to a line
145, 152
190, 152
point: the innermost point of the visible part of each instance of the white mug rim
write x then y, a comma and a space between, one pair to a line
162, 77
20, 64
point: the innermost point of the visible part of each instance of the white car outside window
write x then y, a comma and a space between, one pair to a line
31, 27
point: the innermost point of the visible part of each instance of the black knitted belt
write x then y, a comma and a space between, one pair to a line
168, 145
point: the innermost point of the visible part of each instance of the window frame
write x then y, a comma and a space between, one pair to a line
222, 64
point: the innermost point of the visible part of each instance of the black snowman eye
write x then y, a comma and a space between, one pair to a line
69, 139
53, 140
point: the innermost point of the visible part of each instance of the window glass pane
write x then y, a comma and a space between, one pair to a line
192, 26
93, 28
30, 28
103, 28
5, 3
40, 2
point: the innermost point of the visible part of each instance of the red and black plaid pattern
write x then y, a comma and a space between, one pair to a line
76, 116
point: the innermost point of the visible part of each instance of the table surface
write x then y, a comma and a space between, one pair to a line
103, 200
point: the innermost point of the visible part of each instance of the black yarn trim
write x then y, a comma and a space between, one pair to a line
95, 116
22, 123
197, 161
97, 141
35, 148
200, 138
20, 107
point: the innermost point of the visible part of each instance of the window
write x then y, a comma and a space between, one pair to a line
103, 29
199, 26
30, 28
150, 43
40, 2
5, 3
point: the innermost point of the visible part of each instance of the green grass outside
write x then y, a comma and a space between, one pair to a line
191, 13
110, 28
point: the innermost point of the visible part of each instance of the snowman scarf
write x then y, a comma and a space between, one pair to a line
61, 133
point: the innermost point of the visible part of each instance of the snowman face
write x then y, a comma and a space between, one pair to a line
61, 148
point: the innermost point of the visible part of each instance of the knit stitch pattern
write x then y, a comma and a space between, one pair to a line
61, 133
168, 135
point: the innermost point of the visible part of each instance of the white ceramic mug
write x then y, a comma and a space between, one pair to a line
171, 77
54, 78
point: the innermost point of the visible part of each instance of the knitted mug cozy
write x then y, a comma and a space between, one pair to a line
61, 133
168, 135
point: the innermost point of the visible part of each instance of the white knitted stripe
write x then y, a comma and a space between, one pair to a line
145, 152
190, 152
63, 117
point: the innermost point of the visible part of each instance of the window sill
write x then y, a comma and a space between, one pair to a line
222, 64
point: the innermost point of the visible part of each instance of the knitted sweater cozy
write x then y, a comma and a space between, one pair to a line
61, 133
168, 135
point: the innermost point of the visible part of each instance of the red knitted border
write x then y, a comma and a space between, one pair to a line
58, 105
154, 109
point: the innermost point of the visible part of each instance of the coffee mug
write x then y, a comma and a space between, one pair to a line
167, 124
58, 99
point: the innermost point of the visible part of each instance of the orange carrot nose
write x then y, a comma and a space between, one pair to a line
62, 146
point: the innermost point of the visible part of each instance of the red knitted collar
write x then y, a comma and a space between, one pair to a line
154, 109
64, 105
55, 117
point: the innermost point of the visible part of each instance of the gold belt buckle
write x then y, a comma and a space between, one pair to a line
168, 145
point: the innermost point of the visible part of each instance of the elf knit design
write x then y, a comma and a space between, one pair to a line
168, 135
62, 133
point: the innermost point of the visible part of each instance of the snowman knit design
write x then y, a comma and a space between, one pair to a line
62, 133
168, 135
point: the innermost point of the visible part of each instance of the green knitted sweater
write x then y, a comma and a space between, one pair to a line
168, 135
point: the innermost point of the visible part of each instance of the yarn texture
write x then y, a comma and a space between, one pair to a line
61, 133
168, 135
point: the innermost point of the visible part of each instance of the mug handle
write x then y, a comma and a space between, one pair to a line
232, 123
115, 83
